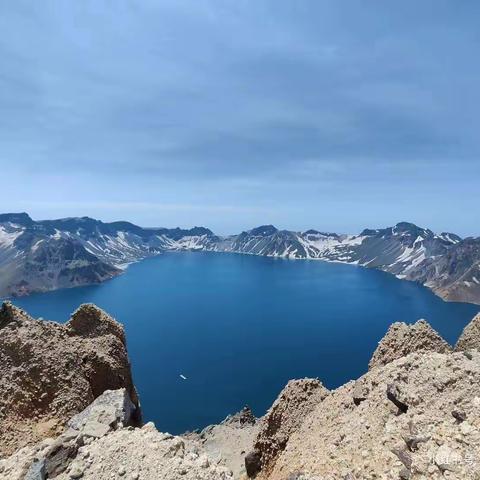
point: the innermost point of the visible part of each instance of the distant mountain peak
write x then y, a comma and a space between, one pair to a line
406, 226
263, 231
412, 229
322, 234
194, 232
406, 229
369, 232
21, 218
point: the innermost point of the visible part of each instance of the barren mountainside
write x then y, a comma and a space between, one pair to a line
51, 254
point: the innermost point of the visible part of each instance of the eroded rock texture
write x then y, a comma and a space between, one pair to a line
295, 401
470, 337
402, 339
49, 371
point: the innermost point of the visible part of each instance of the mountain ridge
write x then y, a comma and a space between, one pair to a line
49, 254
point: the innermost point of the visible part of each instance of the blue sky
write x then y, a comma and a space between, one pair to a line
233, 113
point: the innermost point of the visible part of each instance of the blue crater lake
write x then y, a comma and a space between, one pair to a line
239, 327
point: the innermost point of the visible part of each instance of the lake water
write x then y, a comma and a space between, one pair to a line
239, 327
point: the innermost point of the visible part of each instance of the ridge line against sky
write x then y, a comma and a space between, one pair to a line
232, 113
304, 228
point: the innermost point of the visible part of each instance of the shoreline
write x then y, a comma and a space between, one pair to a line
123, 267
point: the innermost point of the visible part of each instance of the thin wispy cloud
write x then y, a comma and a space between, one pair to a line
311, 110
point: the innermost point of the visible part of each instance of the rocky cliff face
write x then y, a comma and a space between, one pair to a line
50, 254
416, 418
49, 372
414, 415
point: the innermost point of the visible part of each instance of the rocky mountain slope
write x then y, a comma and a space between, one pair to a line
50, 254
413, 418
414, 415
49, 372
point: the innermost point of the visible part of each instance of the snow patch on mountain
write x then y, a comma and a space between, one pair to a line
8, 235
76, 251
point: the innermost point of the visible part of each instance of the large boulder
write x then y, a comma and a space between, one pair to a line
470, 337
109, 412
112, 408
50, 372
295, 401
402, 339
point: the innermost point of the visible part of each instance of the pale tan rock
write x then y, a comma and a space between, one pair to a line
128, 453
470, 337
356, 432
402, 339
338, 435
229, 442
50, 371
294, 403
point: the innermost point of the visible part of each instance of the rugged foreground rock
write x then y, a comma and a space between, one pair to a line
402, 339
285, 416
227, 443
98, 445
414, 415
409, 424
49, 372
470, 337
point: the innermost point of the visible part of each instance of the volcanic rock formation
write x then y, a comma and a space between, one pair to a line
414, 415
402, 339
49, 372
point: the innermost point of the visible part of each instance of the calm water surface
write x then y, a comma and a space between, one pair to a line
239, 327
